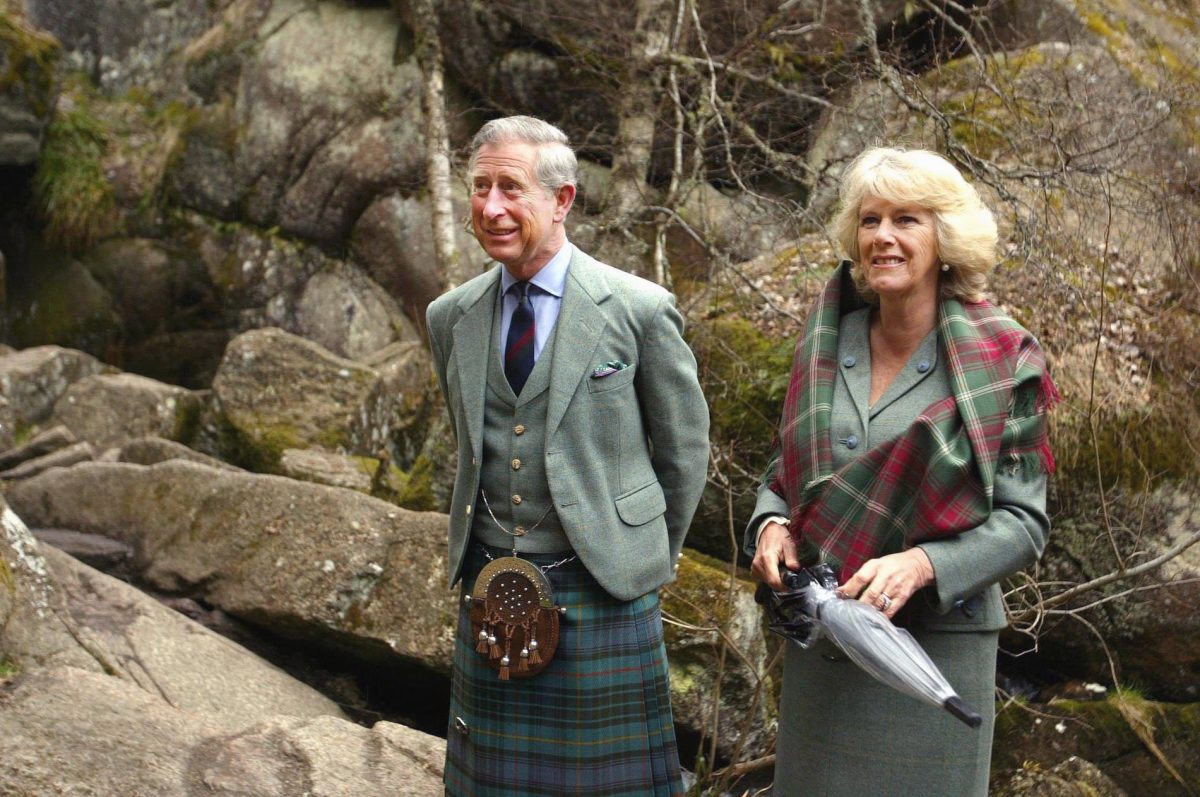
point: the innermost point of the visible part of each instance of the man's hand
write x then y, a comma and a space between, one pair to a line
889, 581
775, 545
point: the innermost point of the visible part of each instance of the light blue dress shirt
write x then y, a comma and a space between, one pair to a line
552, 279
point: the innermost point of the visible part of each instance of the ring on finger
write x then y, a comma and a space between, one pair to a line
885, 601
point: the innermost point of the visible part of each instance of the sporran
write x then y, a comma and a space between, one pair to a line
513, 617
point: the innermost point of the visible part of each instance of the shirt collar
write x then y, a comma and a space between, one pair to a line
551, 278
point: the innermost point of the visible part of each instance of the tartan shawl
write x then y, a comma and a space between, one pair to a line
936, 478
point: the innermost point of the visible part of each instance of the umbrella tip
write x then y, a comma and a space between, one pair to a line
956, 706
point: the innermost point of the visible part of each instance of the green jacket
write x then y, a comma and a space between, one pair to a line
626, 455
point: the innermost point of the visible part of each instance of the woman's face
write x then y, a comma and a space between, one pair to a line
897, 249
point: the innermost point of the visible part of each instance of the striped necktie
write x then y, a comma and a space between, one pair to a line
518, 350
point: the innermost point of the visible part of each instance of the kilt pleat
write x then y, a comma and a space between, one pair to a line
596, 721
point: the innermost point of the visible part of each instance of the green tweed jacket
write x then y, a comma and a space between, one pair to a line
626, 455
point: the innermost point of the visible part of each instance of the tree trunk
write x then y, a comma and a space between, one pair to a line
637, 108
437, 144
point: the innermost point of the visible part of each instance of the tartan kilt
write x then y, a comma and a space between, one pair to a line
596, 721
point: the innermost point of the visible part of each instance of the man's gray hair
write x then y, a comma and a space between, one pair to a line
555, 165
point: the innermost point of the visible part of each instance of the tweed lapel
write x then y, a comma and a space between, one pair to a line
472, 347
578, 334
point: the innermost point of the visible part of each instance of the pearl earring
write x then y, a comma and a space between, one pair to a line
945, 266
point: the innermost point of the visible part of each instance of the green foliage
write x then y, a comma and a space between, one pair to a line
73, 194
744, 374
745, 377
8, 668
29, 60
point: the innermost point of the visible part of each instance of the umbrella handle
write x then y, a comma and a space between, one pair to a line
958, 707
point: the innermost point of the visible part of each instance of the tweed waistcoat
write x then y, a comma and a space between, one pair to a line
514, 444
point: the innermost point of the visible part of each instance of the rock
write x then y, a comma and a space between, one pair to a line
28, 89
327, 120
153, 284
32, 380
214, 59
69, 731
64, 304
94, 550
1152, 636
272, 281
122, 42
701, 597
349, 314
1034, 746
202, 177
251, 268
1071, 778
110, 409
36, 627
39, 445
393, 240
322, 467
8, 425
62, 458
278, 391
407, 375
152, 450
86, 619
159, 650
306, 561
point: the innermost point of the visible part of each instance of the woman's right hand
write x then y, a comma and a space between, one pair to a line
775, 545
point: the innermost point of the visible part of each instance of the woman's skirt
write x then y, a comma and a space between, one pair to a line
596, 721
841, 732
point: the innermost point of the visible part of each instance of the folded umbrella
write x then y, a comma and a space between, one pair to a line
812, 607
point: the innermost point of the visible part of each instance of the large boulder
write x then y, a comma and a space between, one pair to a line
33, 380
276, 391
716, 646
349, 314
155, 286
393, 240
110, 409
56, 611
1151, 636
28, 89
1135, 744
123, 42
320, 563
68, 731
327, 120
151, 450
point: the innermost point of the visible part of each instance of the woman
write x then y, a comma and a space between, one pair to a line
913, 458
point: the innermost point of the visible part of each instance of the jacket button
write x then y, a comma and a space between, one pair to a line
519, 429
923, 366
970, 606
849, 362
516, 464
516, 499
851, 442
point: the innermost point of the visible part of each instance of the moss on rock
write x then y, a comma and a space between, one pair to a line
28, 58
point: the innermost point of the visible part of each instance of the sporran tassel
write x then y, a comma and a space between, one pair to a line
504, 661
535, 657
482, 647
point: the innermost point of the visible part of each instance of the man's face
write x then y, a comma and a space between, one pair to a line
515, 219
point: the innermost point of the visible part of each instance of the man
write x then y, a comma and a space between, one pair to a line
583, 445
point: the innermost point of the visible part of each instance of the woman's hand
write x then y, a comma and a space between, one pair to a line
775, 545
889, 581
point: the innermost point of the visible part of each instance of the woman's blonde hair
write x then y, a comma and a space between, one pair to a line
965, 229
